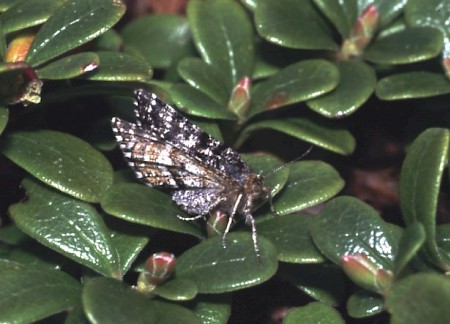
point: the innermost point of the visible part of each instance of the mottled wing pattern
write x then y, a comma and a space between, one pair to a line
166, 123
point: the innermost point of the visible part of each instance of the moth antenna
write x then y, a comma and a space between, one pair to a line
281, 167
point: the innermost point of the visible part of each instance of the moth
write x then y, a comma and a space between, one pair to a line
166, 150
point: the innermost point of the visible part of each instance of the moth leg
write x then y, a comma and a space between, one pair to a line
250, 220
193, 218
230, 220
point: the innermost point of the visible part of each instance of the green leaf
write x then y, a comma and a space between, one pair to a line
31, 293
213, 309
142, 205
333, 139
196, 103
231, 268
407, 46
293, 24
432, 13
71, 25
115, 66
26, 13
323, 282
309, 183
110, 41
412, 85
69, 67
290, 235
420, 298
340, 13
69, 226
364, 303
10, 76
419, 184
356, 85
177, 290
62, 161
2, 42
173, 313
160, 39
12, 235
298, 82
5, 4
412, 240
205, 78
347, 226
313, 313
4, 116
129, 306
223, 34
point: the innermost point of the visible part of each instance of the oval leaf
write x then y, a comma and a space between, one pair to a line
347, 226
69, 226
73, 24
364, 304
142, 205
321, 134
313, 313
412, 85
69, 67
160, 39
297, 82
356, 84
419, 184
22, 292
62, 161
412, 240
228, 269
115, 66
176, 290
290, 235
223, 34
407, 46
24, 14
294, 24
309, 183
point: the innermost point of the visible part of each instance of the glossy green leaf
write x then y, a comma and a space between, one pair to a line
205, 78
109, 41
4, 117
294, 24
223, 34
408, 85
388, 10
432, 13
265, 164
69, 226
128, 244
347, 226
32, 293
208, 126
139, 204
420, 298
115, 66
5, 4
364, 304
340, 13
298, 82
333, 139
407, 46
290, 235
69, 67
309, 183
160, 39
28, 13
73, 24
177, 290
420, 180
356, 84
215, 269
99, 294
62, 161
213, 309
412, 240
313, 313
173, 313
196, 103
323, 282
